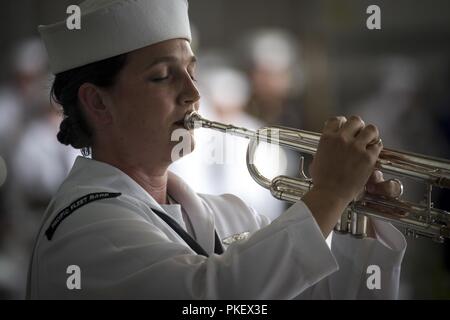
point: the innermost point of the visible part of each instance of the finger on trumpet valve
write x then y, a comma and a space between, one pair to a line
375, 142
399, 187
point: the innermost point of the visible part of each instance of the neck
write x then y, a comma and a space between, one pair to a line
155, 183
150, 177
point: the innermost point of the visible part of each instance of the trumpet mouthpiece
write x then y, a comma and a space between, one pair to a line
190, 118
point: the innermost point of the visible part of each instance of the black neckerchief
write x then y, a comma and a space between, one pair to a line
218, 249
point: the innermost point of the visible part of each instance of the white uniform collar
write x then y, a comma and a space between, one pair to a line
94, 174
91, 173
201, 218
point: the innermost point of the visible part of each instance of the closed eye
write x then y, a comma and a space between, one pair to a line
159, 79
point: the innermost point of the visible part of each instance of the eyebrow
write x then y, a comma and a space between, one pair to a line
193, 59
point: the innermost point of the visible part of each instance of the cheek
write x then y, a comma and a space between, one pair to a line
158, 103
143, 113
143, 106
147, 119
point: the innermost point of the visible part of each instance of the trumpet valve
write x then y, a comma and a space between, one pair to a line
343, 224
358, 225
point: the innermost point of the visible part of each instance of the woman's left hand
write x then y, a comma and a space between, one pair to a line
376, 185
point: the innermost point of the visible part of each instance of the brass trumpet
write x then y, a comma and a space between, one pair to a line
418, 219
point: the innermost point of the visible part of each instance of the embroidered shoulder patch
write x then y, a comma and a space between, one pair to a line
67, 211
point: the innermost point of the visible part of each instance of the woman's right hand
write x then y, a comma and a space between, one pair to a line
343, 163
345, 157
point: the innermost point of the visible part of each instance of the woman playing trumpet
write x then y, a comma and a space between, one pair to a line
135, 230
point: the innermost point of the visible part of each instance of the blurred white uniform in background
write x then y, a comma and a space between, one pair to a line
35, 162
218, 163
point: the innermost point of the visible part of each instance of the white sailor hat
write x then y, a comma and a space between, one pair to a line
113, 27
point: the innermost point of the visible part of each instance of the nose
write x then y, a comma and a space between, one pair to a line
190, 93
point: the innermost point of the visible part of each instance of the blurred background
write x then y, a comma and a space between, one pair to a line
283, 62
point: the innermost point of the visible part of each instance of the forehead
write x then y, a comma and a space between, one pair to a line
176, 48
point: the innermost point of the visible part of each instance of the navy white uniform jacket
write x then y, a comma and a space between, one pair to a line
105, 223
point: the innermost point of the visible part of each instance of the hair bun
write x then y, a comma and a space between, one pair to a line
70, 133
64, 132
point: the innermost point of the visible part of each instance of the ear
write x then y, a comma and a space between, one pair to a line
94, 102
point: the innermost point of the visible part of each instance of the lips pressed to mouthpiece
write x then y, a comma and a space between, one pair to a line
179, 122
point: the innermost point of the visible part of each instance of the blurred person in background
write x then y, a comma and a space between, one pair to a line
21, 100
36, 162
272, 61
225, 95
23, 95
39, 165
